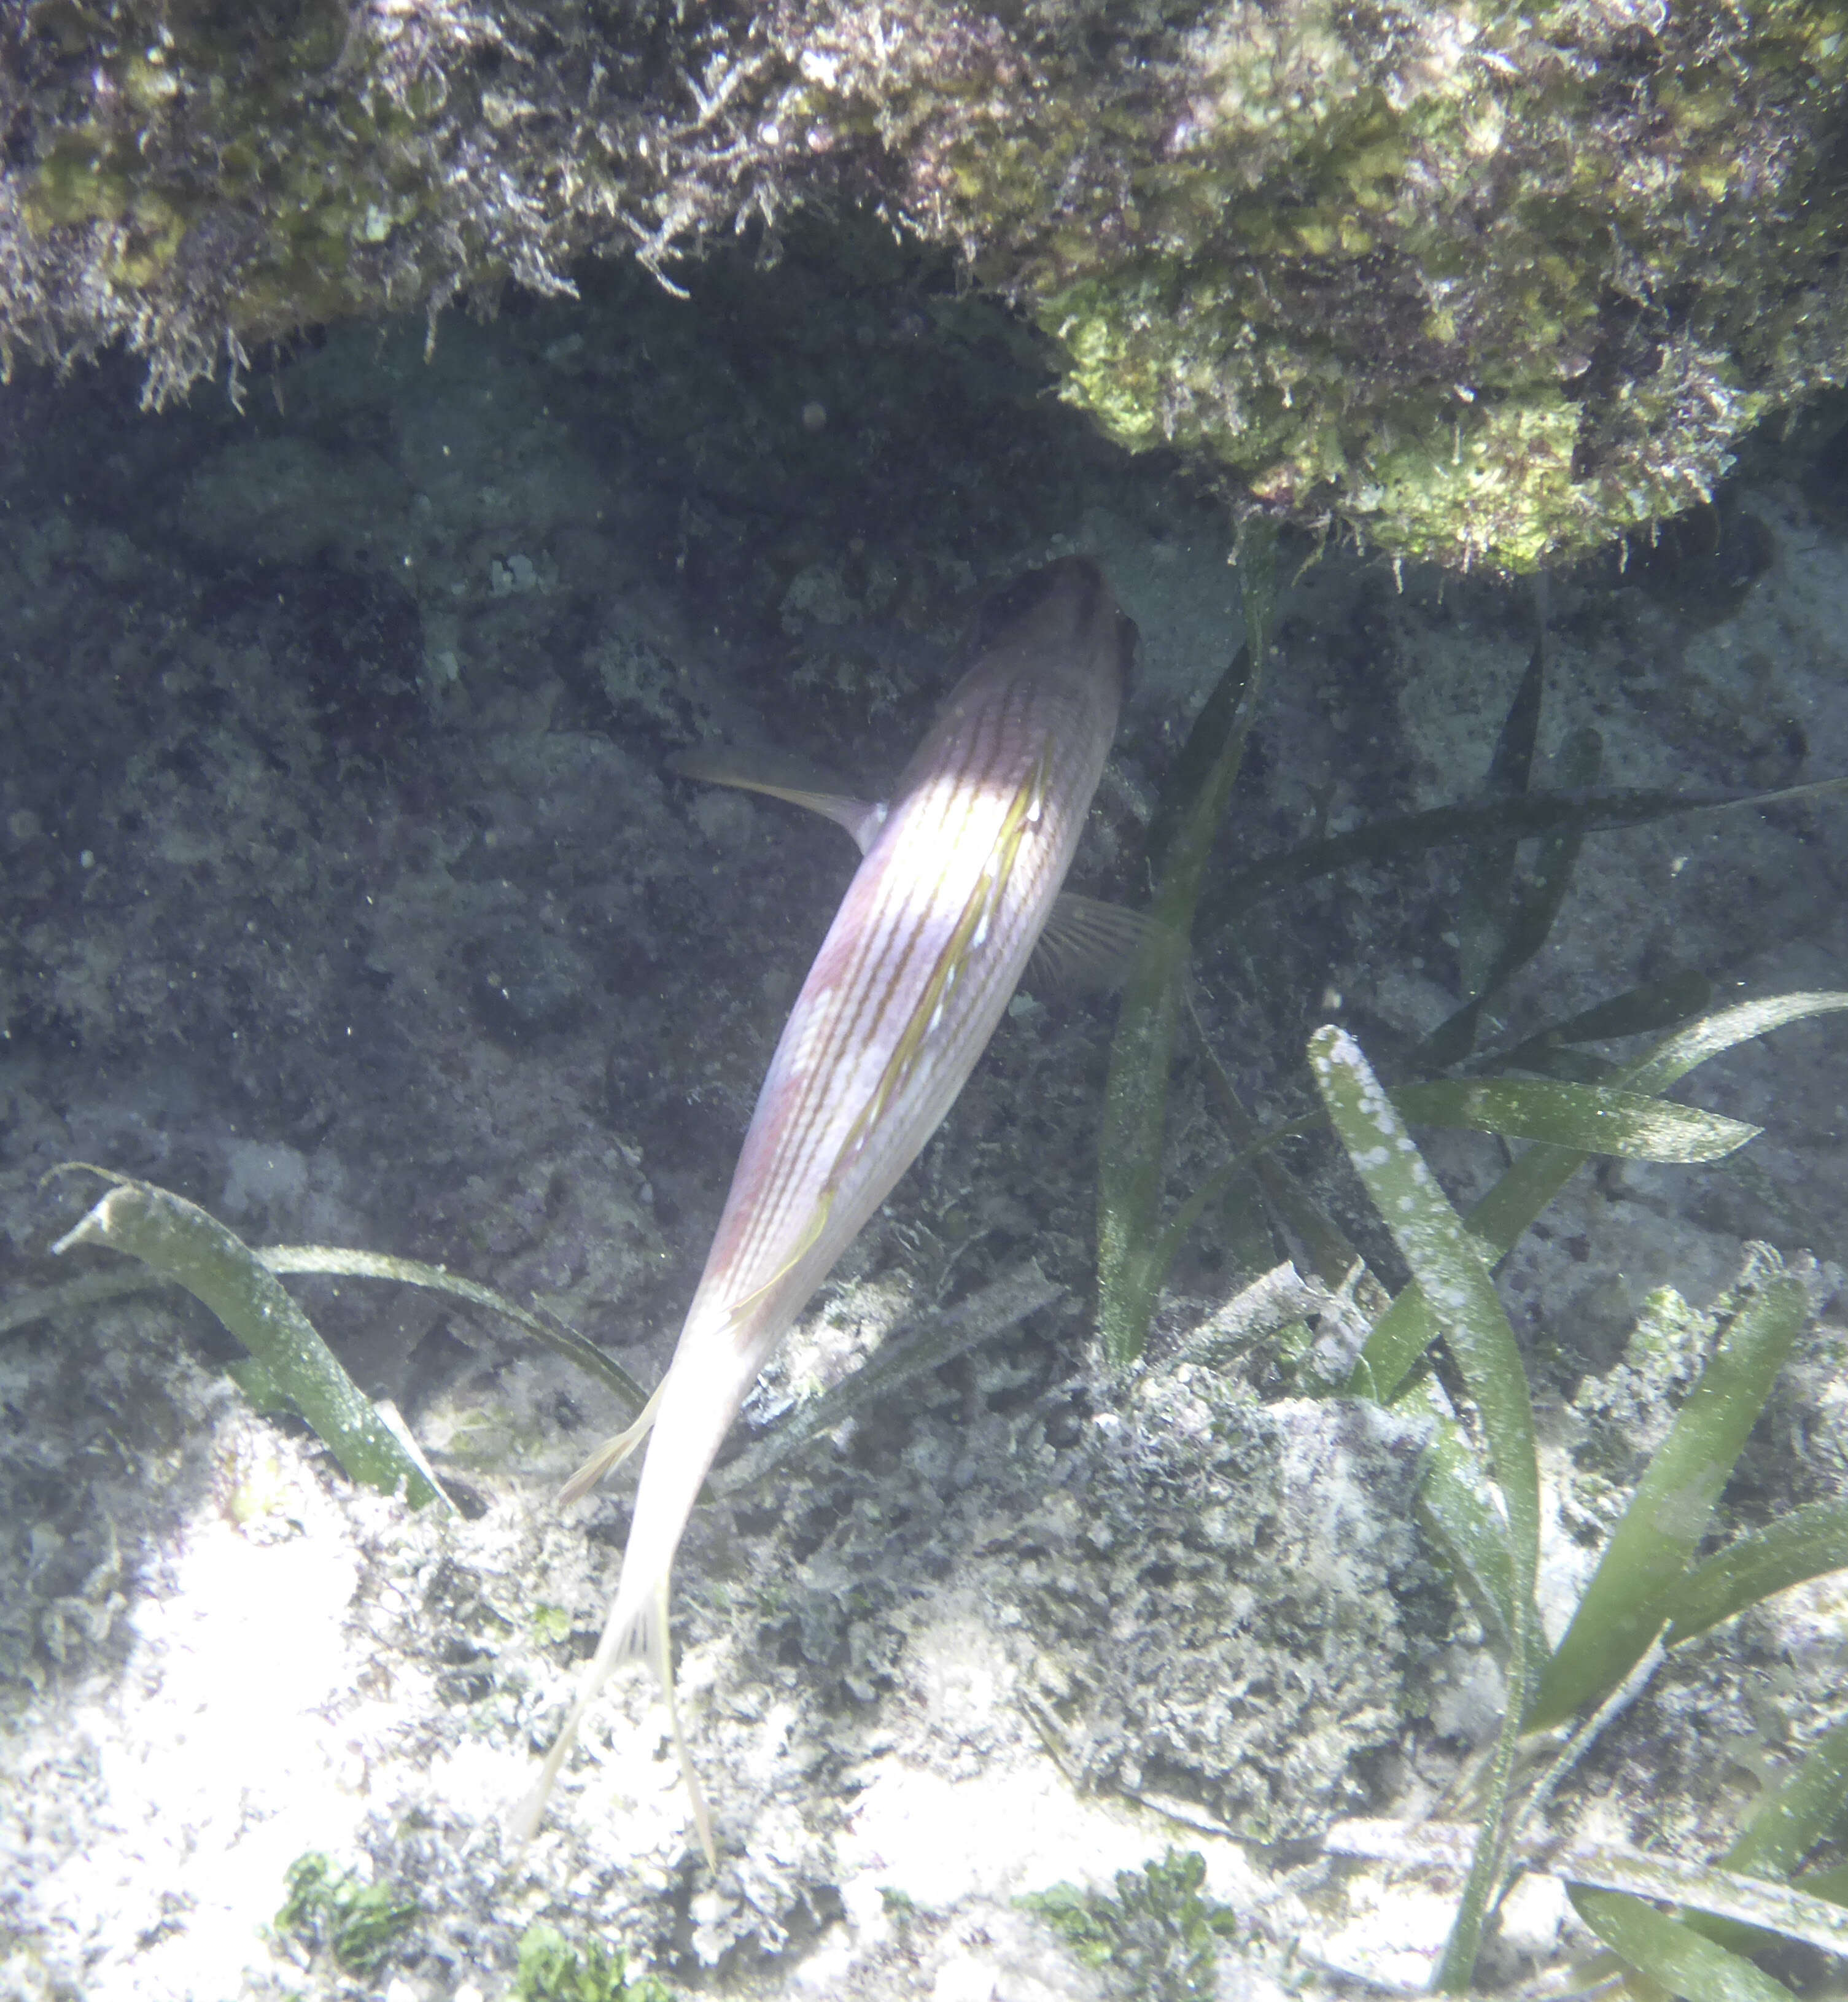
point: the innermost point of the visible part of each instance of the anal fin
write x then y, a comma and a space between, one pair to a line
610, 1455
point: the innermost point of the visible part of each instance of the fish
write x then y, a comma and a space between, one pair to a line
962, 868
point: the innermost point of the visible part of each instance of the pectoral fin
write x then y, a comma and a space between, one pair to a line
761, 770
1087, 945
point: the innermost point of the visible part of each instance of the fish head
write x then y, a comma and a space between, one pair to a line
1061, 618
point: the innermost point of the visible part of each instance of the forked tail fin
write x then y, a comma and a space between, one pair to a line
660, 1655
644, 1634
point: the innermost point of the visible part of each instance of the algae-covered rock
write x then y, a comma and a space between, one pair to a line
1488, 285
1223, 1609
1493, 284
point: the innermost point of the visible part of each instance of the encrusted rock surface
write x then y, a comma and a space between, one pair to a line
1487, 284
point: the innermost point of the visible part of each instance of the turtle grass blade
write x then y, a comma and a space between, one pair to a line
1135, 1123
43, 1303
1129, 1167
328, 1260
1586, 1117
1624, 1607
1672, 1954
1324, 1246
1528, 914
1798, 1815
1672, 1059
1597, 810
1647, 1009
1407, 1329
1459, 1513
899, 1360
180, 1241
1568, 1066
1447, 1264
1808, 1542
1788, 1909
1511, 763
1832, 1884
1806, 1910
1129, 1179
1486, 896
1192, 772
336, 1260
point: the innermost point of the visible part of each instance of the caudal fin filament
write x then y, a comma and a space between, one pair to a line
644, 1636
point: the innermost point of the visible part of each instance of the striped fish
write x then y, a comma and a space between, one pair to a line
960, 872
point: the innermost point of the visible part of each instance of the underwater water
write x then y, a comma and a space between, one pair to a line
345, 892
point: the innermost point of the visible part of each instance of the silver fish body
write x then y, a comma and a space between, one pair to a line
957, 880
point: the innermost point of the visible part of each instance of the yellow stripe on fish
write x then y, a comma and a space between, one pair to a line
960, 872
970, 933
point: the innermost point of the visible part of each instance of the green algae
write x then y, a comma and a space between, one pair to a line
285, 159
361, 1925
1486, 285
1156, 1940
1497, 296
552, 1969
